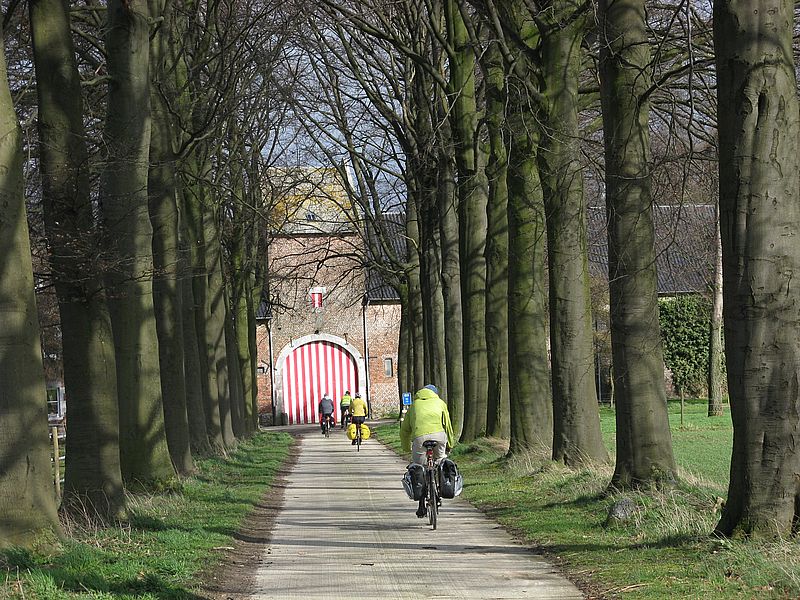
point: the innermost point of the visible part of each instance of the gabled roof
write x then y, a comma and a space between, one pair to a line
685, 253
378, 289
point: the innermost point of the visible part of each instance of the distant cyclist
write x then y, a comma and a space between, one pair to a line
344, 404
326, 412
358, 411
427, 419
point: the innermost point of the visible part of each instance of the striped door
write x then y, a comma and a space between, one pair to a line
310, 371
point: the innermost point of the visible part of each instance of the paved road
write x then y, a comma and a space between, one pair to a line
347, 530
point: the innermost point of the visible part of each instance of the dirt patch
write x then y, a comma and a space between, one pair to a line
234, 577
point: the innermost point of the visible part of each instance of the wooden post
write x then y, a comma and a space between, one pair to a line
56, 461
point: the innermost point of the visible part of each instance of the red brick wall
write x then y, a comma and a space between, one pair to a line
300, 263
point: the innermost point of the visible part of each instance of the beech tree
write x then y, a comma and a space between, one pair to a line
27, 500
644, 442
759, 219
144, 454
92, 478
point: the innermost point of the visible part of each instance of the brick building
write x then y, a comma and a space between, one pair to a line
329, 324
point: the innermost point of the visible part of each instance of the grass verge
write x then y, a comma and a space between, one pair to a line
170, 538
665, 550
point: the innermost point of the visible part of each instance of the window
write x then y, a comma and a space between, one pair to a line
388, 367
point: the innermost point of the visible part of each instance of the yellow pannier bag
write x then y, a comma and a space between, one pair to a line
351, 432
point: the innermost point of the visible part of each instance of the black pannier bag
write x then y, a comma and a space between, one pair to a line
414, 482
450, 481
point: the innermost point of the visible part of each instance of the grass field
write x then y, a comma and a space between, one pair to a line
168, 540
665, 551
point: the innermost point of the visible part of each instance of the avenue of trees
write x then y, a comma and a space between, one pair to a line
500, 120
136, 139
137, 132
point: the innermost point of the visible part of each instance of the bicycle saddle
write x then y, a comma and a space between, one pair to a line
430, 443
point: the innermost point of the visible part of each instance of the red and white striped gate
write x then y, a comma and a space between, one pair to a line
311, 370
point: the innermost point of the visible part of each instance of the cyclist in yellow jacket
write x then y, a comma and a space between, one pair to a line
427, 419
344, 404
358, 411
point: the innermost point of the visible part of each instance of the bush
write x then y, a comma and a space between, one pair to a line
685, 323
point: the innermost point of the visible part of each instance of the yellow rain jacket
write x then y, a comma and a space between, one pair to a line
358, 407
428, 414
346, 400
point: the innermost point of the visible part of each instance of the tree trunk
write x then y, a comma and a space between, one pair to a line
92, 478
451, 279
472, 200
760, 222
27, 495
238, 408
143, 446
215, 325
415, 315
715, 355
195, 406
194, 200
405, 357
529, 380
576, 420
498, 417
644, 442
167, 293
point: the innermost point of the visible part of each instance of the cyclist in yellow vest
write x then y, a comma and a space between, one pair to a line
344, 404
358, 411
427, 419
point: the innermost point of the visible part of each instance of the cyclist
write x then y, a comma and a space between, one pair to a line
427, 419
344, 404
326, 412
358, 411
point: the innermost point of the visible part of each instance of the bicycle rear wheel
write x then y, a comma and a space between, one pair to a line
433, 509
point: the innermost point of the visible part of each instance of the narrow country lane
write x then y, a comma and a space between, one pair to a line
347, 530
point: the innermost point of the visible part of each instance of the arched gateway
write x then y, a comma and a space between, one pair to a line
311, 366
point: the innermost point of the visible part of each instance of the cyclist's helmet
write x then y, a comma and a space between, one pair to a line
432, 388
346, 393
358, 395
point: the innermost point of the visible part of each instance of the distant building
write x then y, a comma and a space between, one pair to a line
332, 324
328, 326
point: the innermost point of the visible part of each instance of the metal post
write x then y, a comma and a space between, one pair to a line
56, 461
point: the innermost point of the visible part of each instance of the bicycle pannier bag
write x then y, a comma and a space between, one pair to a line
450, 481
364, 432
414, 482
351, 431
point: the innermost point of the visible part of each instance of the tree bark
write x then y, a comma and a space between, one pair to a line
498, 417
163, 209
194, 200
760, 222
215, 324
92, 478
27, 496
451, 277
473, 190
144, 455
715, 355
529, 379
576, 420
644, 442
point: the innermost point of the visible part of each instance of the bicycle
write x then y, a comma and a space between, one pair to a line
345, 419
432, 496
327, 425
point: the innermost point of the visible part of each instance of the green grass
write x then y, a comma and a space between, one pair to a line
167, 541
665, 551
